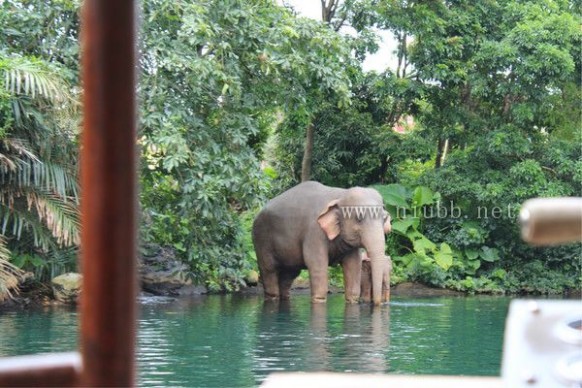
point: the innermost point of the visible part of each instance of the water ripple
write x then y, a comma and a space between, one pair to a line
226, 341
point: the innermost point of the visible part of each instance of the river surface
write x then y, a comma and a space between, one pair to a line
228, 341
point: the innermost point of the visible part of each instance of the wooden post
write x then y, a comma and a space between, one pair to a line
108, 207
108, 200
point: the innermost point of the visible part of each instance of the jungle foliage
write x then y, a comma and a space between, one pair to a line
486, 93
494, 90
39, 225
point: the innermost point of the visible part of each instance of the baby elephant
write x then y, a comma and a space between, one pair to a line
366, 282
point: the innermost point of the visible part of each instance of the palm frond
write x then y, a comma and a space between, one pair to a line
34, 78
20, 167
58, 179
61, 218
18, 146
32, 209
10, 275
7, 164
15, 155
15, 221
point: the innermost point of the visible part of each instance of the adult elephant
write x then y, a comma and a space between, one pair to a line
313, 226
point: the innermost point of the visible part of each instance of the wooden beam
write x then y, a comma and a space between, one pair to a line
108, 199
47, 370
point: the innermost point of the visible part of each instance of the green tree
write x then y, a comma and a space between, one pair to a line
321, 77
355, 144
215, 78
498, 79
38, 199
38, 127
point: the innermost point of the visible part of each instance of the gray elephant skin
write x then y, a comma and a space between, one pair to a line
314, 226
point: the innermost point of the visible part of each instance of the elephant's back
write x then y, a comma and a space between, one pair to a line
306, 200
294, 211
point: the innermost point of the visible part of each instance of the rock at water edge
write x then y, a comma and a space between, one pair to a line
67, 287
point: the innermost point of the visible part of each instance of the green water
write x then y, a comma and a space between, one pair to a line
224, 341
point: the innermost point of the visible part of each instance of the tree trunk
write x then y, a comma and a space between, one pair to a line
442, 149
439, 154
444, 153
404, 56
328, 9
307, 153
506, 105
383, 169
400, 54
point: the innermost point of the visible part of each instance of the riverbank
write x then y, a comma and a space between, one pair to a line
41, 295
408, 289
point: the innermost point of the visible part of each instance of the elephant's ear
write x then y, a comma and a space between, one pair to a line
387, 222
329, 221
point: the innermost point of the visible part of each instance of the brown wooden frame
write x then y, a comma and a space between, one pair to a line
108, 212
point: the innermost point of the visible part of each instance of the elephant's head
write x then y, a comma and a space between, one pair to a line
358, 218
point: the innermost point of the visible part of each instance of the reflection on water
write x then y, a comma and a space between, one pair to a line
324, 337
237, 341
416, 304
38, 331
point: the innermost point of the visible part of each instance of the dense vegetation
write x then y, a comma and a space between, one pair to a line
240, 100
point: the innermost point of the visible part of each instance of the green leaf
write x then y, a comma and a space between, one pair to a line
414, 235
444, 256
422, 196
423, 244
473, 265
499, 274
270, 172
19, 260
472, 254
446, 248
394, 195
36, 261
180, 247
405, 260
290, 32
402, 226
489, 254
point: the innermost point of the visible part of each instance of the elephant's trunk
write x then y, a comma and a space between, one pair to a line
375, 246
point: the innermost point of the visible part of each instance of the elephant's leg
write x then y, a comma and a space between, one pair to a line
268, 273
286, 278
352, 266
315, 254
318, 280
366, 282
270, 285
